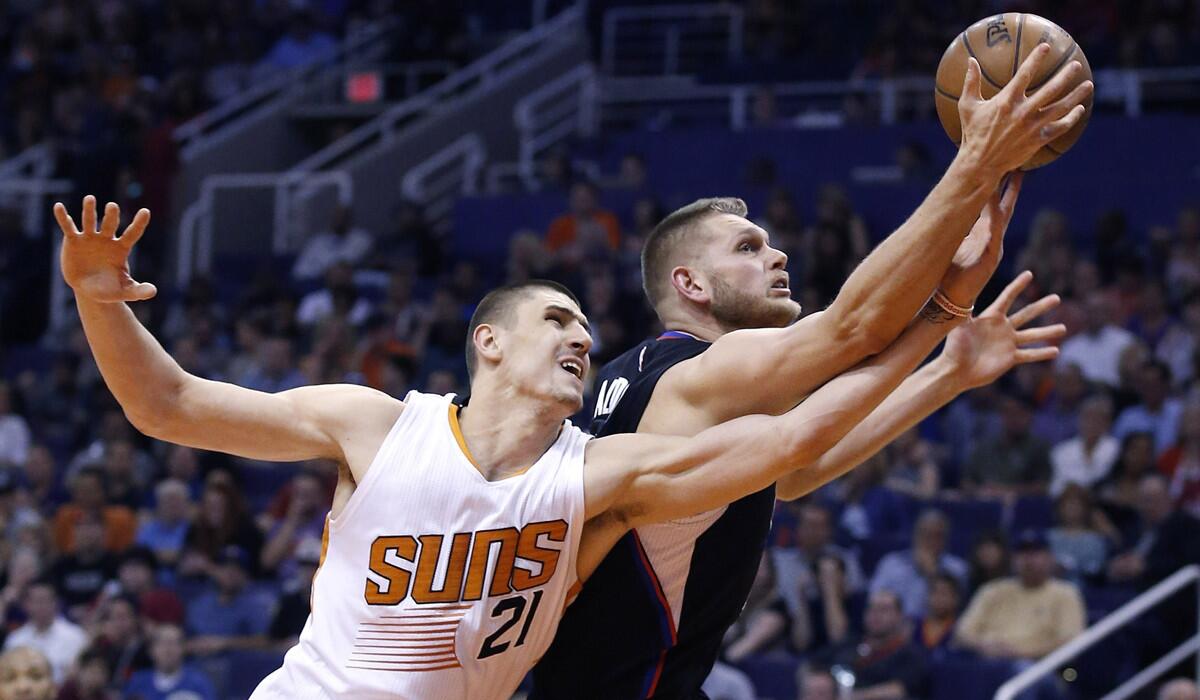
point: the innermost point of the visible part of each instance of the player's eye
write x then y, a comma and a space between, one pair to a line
557, 321
746, 247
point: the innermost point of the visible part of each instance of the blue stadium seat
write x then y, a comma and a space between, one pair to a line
1032, 512
773, 675
967, 678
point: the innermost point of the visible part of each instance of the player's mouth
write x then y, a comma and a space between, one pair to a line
572, 366
780, 288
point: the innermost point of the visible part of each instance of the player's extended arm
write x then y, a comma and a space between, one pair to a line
754, 371
164, 401
643, 478
976, 353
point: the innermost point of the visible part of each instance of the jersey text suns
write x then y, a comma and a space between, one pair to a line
523, 562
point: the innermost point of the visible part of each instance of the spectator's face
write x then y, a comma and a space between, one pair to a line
39, 467
583, 200
818, 686
943, 599
883, 616
1096, 312
25, 675
92, 677
135, 577
1138, 456
1094, 420
214, 507
815, 529
746, 279
276, 355
88, 491
1179, 689
990, 556
182, 463
167, 649
1072, 510
89, 536
121, 621
930, 535
230, 577
173, 505
308, 493
119, 460
1016, 418
1034, 566
1154, 499
1189, 424
41, 605
1152, 385
1069, 384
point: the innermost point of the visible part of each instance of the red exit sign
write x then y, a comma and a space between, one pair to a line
365, 86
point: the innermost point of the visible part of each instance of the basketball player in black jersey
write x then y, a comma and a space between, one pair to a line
650, 620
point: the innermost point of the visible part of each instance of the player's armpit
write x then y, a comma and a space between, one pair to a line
342, 422
763, 370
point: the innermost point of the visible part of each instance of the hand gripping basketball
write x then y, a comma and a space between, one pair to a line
95, 263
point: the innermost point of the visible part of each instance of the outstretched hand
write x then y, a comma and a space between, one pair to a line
1003, 132
995, 341
95, 262
980, 252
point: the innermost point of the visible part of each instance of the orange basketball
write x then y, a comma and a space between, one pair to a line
1000, 43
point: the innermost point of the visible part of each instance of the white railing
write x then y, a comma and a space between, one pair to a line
211, 128
30, 197
196, 227
675, 23
561, 108
481, 73
445, 175
35, 161
1178, 581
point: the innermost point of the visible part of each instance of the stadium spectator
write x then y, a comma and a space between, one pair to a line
81, 574
170, 677
227, 615
1025, 616
971, 419
1120, 491
934, 631
1181, 463
764, 622
275, 370
294, 606
1165, 538
798, 570
88, 500
122, 485
165, 530
1097, 348
90, 679
908, 574
43, 494
1057, 419
884, 661
1178, 348
299, 532
120, 639
1014, 463
303, 43
23, 568
990, 558
1156, 413
25, 674
48, 632
1088, 458
221, 521
585, 228
914, 468
1080, 536
342, 243
15, 436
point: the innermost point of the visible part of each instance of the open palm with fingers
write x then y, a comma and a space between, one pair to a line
95, 262
995, 341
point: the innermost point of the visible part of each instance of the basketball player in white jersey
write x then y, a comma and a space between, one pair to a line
458, 534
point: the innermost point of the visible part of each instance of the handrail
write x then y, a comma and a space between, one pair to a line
38, 158
198, 133
541, 123
421, 183
614, 16
1113, 621
481, 70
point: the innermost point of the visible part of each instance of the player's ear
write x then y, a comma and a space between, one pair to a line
689, 284
487, 342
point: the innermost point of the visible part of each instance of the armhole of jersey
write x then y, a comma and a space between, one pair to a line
579, 498
412, 405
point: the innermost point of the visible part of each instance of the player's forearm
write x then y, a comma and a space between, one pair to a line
894, 281
143, 378
917, 397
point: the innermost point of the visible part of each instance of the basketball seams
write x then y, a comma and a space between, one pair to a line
982, 70
1017, 45
944, 93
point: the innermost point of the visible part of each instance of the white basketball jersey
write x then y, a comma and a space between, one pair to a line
436, 583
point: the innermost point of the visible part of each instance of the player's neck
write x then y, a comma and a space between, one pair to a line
506, 432
701, 326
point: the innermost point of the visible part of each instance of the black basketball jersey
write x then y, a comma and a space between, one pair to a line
650, 620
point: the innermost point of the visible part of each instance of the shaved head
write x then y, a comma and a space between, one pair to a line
498, 308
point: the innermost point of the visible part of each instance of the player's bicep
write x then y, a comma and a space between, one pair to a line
761, 370
310, 422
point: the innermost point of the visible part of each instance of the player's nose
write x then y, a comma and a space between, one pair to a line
778, 259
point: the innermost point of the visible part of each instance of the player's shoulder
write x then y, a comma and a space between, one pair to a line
655, 354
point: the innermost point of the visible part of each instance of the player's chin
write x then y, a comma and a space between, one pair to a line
783, 311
